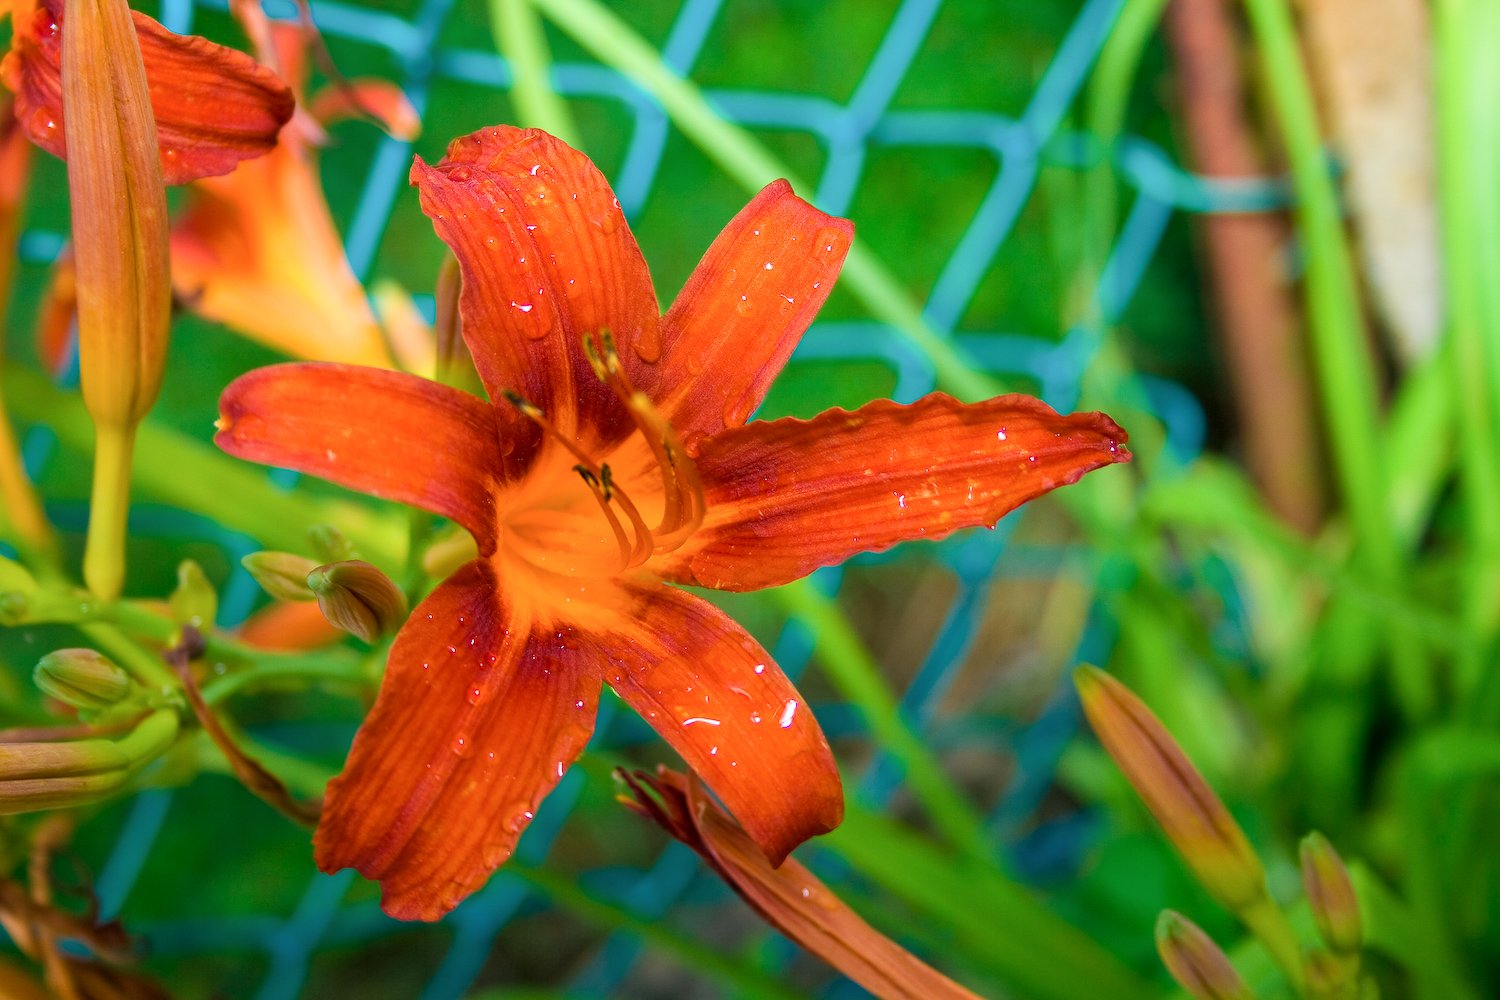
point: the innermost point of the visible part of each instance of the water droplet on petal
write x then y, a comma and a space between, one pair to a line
787, 713
463, 746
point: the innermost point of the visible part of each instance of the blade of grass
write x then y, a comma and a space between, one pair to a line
520, 37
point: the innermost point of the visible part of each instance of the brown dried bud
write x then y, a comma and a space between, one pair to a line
358, 598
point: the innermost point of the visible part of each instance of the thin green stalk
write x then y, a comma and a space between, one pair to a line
522, 41
1344, 370
566, 893
109, 508
751, 165
854, 672
1266, 921
1468, 147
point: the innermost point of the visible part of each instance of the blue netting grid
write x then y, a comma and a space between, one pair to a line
846, 134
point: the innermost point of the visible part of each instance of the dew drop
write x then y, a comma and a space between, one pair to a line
475, 696
534, 168
760, 668
699, 718
463, 746
787, 713
770, 266
1000, 434
524, 307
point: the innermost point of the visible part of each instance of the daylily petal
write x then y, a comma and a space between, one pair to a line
546, 259
258, 251
477, 719
198, 137
380, 100
789, 897
746, 306
719, 699
385, 433
787, 496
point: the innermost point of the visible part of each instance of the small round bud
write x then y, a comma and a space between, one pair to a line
358, 598
82, 678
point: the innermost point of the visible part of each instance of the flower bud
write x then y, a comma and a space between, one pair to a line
194, 602
1330, 895
281, 574
1190, 814
82, 678
329, 544
59, 774
358, 598
1199, 966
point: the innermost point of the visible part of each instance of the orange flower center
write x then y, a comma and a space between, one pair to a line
581, 521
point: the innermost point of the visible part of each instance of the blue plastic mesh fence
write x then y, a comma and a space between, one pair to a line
847, 134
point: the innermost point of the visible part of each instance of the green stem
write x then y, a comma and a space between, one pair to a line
1266, 921
1469, 146
566, 893
109, 509
1345, 373
854, 672
523, 43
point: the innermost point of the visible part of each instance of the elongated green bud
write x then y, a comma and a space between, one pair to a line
358, 598
35, 776
1330, 896
1199, 966
194, 602
1191, 815
281, 574
82, 678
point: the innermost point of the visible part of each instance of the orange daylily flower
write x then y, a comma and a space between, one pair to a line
257, 250
789, 897
613, 460
213, 106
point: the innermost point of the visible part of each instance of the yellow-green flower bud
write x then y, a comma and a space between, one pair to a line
1199, 966
194, 601
358, 598
82, 678
58, 774
1330, 895
281, 574
329, 544
1191, 815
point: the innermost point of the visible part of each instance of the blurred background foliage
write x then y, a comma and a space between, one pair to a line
1033, 178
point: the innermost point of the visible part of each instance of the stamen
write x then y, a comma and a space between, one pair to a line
683, 504
601, 485
599, 488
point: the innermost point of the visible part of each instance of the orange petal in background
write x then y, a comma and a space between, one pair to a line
745, 308
478, 718
789, 898
289, 626
788, 496
719, 699
199, 136
385, 433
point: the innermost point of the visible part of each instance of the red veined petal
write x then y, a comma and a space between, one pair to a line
385, 433
477, 719
787, 496
214, 106
719, 699
789, 897
745, 308
546, 259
